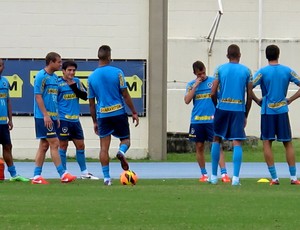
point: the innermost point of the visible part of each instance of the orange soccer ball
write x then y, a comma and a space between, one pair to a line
128, 177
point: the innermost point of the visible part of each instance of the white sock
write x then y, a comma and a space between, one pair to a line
235, 179
84, 172
214, 177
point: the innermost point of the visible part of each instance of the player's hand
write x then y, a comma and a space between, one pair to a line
135, 119
96, 129
48, 122
10, 125
58, 123
198, 81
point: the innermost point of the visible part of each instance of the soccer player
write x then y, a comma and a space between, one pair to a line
6, 125
232, 81
108, 86
274, 81
46, 119
202, 117
70, 89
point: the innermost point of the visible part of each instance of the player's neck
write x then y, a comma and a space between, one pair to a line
273, 62
49, 70
104, 62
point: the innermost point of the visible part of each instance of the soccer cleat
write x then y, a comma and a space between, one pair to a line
19, 178
226, 179
295, 182
236, 183
212, 181
124, 163
204, 178
275, 182
39, 180
88, 176
108, 182
67, 177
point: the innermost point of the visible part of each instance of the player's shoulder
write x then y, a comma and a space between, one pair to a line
191, 82
4, 78
76, 79
210, 78
285, 67
42, 74
60, 80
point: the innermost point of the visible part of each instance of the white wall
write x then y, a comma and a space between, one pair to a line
190, 22
75, 29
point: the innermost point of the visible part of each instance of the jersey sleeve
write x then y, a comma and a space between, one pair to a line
39, 84
257, 78
122, 80
188, 88
90, 90
295, 77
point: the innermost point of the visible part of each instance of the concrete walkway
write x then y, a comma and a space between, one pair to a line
159, 170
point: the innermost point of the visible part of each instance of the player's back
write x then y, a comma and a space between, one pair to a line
105, 83
233, 79
274, 82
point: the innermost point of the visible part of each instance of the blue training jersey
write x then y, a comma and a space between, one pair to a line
46, 85
105, 84
204, 108
233, 80
274, 82
4, 96
68, 102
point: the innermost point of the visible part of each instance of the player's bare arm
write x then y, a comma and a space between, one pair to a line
189, 96
214, 91
93, 114
9, 110
47, 120
293, 97
129, 102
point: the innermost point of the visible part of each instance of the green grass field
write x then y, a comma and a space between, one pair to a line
151, 204
250, 154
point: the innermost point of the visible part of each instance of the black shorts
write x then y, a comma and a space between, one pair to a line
5, 135
117, 126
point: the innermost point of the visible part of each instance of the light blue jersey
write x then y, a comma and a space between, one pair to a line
68, 102
204, 109
233, 80
274, 82
4, 96
105, 84
46, 85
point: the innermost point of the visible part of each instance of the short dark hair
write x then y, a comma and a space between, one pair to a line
68, 63
272, 52
52, 56
198, 65
233, 51
104, 52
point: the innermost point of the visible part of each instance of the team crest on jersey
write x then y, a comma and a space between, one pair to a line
64, 129
209, 84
